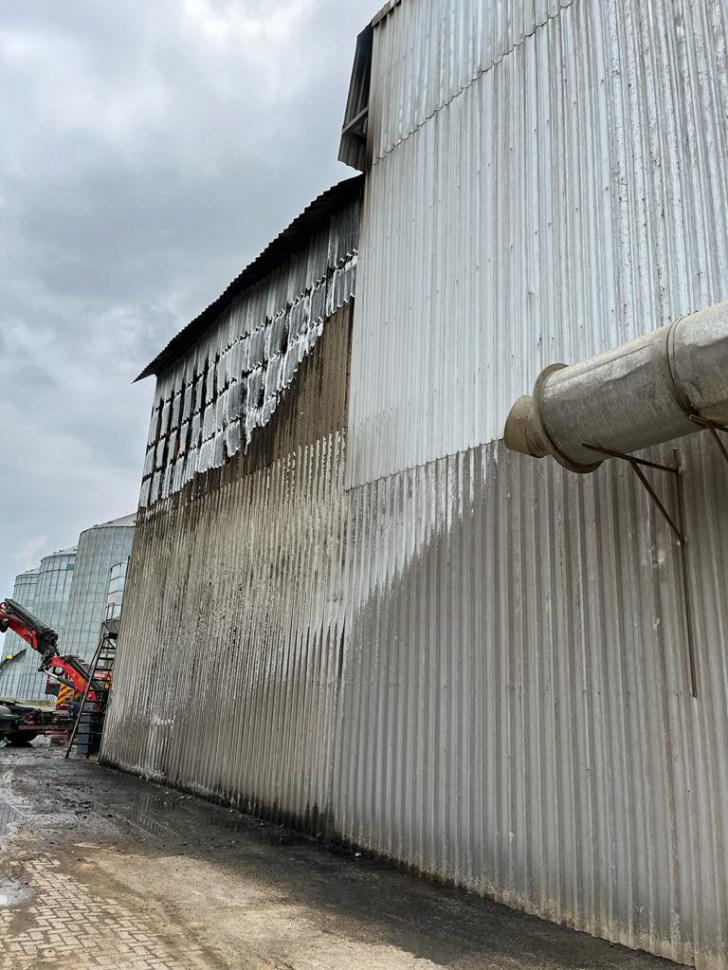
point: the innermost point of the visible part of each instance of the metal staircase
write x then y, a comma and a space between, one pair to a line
88, 726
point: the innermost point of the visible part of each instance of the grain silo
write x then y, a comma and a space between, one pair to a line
15, 666
99, 548
49, 602
54, 587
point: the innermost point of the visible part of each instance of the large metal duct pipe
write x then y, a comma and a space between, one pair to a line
656, 388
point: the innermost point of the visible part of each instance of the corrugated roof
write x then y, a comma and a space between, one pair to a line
301, 229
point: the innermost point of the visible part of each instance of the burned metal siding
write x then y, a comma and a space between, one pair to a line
516, 709
210, 403
570, 198
230, 651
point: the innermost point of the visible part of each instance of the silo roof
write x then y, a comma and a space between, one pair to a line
311, 220
126, 521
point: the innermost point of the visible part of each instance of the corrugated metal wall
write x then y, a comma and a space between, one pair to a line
573, 196
427, 52
546, 182
231, 644
516, 701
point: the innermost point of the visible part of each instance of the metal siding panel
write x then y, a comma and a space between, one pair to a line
571, 198
516, 709
427, 52
253, 349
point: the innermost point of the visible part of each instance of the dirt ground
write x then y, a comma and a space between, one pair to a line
103, 870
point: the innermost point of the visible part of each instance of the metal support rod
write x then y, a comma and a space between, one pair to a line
686, 577
632, 459
679, 529
713, 428
636, 463
679, 534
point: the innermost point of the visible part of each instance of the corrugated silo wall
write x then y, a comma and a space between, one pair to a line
548, 180
18, 677
48, 602
230, 653
99, 549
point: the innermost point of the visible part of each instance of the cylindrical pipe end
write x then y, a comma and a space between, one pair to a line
519, 429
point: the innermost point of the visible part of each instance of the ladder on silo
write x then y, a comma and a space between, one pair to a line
88, 727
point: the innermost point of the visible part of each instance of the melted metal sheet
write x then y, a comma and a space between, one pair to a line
230, 383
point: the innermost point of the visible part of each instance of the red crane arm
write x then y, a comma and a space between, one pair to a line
44, 640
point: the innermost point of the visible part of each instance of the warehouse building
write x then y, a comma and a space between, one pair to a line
350, 606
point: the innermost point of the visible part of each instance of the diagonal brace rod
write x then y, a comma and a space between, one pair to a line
636, 463
679, 530
713, 427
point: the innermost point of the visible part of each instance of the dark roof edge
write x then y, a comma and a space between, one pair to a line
353, 147
388, 7
311, 220
354, 131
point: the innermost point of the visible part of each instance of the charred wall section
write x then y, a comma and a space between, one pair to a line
230, 655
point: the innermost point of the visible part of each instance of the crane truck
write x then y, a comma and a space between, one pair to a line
21, 723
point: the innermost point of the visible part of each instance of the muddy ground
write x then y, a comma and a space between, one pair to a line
102, 870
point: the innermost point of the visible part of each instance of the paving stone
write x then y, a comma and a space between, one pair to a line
93, 933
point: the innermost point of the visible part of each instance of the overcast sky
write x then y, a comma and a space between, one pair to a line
150, 150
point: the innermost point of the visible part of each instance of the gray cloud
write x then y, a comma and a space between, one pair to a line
149, 152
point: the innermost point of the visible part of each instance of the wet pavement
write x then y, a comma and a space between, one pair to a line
102, 870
